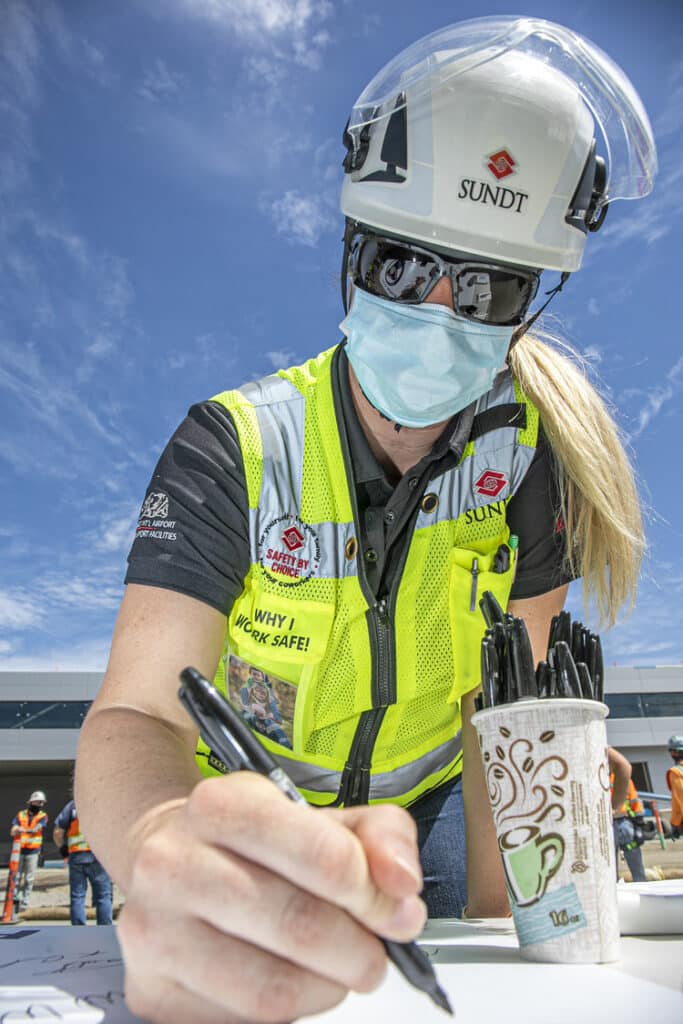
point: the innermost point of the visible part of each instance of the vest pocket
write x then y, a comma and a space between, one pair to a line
471, 572
265, 627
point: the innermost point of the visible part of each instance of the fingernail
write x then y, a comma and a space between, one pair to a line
409, 916
410, 867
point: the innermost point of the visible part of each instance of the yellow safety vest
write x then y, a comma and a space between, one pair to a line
367, 692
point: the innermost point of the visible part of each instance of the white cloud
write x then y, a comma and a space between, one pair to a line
88, 591
658, 397
301, 218
79, 656
114, 533
290, 29
592, 354
160, 83
279, 358
18, 610
669, 121
18, 85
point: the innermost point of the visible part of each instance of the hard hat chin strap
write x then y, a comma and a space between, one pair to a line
523, 328
349, 232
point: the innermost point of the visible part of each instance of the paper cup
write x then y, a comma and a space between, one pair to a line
545, 763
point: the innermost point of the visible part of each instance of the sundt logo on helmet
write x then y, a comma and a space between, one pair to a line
501, 164
490, 483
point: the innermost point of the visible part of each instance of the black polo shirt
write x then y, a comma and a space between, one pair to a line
200, 543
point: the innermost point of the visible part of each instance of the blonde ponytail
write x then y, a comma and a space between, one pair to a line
600, 503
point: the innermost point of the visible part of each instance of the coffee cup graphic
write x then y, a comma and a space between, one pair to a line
530, 859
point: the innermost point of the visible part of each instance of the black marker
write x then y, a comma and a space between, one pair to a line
228, 736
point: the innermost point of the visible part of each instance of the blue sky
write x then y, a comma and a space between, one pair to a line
169, 228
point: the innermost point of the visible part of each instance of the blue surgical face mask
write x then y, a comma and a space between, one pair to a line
420, 364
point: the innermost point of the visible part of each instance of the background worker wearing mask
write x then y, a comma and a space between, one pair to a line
336, 524
30, 824
674, 780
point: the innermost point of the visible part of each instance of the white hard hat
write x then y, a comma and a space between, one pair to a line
481, 138
37, 797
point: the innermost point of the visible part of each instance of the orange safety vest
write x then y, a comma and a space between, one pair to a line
632, 800
632, 804
31, 829
674, 780
74, 838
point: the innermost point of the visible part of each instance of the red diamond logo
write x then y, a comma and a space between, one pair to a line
292, 539
490, 483
501, 164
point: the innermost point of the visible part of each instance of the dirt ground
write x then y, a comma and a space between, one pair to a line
50, 897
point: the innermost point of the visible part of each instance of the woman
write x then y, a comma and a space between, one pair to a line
335, 527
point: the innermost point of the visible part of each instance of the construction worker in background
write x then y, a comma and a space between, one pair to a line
83, 865
627, 816
674, 780
30, 823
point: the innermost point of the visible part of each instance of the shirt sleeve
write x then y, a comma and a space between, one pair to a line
63, 819
193, 531
534, 516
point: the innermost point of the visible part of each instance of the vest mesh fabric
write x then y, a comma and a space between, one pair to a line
434, 666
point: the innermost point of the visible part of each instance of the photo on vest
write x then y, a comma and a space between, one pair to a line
265, 702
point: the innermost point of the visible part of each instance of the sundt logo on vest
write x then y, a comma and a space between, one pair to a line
293, 539
490, 483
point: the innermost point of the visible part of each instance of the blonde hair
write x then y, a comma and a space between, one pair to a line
599, 500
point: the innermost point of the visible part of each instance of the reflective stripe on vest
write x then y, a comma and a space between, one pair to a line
74, 839
323, 654
383, 785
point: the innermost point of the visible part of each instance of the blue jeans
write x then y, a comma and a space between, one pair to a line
79, 873
440, 820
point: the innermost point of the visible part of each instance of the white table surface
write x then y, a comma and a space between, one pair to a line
478, 964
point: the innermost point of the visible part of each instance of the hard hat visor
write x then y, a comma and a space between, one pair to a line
605, 89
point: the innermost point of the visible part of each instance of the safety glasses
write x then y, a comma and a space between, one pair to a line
406, 273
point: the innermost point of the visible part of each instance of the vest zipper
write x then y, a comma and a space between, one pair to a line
355, 784
355, 781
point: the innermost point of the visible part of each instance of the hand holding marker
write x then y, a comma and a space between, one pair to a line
224, 731
573, 668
